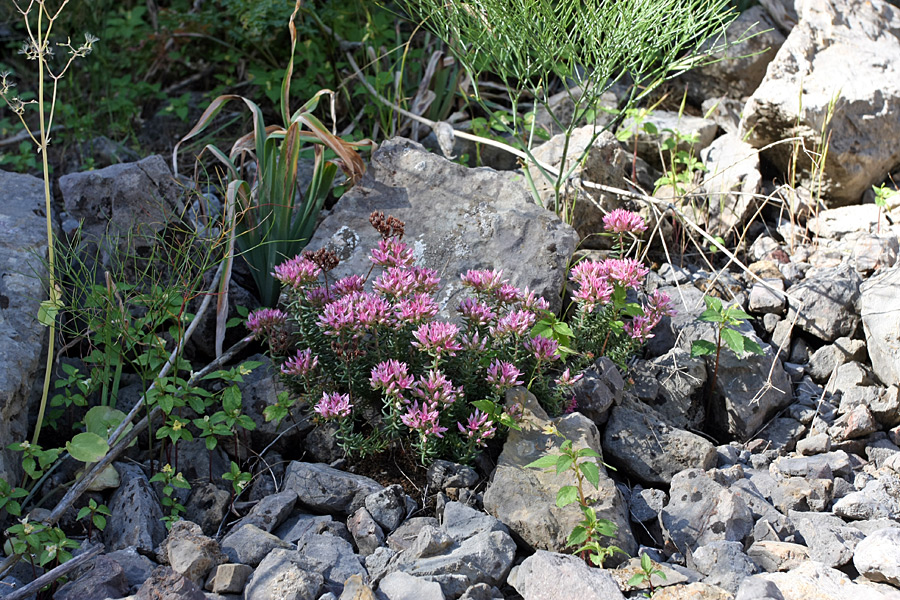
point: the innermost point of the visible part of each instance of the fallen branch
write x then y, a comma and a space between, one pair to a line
53, 574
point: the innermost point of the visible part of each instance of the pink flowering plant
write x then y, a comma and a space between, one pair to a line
370, 355
384, 369
608, 319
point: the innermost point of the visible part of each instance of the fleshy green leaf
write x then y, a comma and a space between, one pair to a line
87, 447
646, 563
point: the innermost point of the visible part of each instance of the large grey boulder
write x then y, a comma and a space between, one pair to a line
731, 182
328, 490
846, 53
284, 575
742, 65
130, 202
879, 305
878, 556
456, 219
830, 540
551, 576
483, 558
827, 305
525, 499
23, 247
646, 447
816, 580
136, 518
701, 511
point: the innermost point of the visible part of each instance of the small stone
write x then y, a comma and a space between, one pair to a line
819, 443
230, 578
772, 555
191, 553
387, 506
249, 545
401, 586
768, 298
856, 424
166, 584
365, 531
105, 580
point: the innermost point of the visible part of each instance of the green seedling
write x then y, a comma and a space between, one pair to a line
97, 513
726, 321
583, 464
648, 570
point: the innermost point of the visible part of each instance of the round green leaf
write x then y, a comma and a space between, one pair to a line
87, 447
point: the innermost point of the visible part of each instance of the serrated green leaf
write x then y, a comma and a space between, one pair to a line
85, 511
734, 340
636, 579
713, 303
566, 495
562, 328
633, 310
710, 316
584, 452
737, 314
751, 346
563, 462
702, 348
99, 522
577, 537
87, 447
544, 462
591, 472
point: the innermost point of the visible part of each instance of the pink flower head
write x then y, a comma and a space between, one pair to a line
297, 272
533, 302
395, 282
338, 317
659, 305
508, 294
542, 348
517, 322
333, 406
371, 310
476, 312
391, 376
483, 281
567, 380
587, 269
301, 364
473, 343
503, 375
426, 280
625, 272
348, 285
436, 389
265, 321
392, 253
318, 296
624, 221
416, 310
437, 338
593, 290
424, 419
639, 328
478, 428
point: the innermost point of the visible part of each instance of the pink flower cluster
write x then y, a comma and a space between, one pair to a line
333, 406
300, 365
265, 321
297, 272
478, 428
437, 338
624, 221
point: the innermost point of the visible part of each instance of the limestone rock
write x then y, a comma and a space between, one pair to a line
880, 310
831, 40
525, 499
21, 292
456, 219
